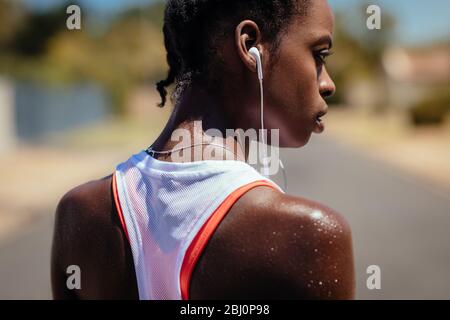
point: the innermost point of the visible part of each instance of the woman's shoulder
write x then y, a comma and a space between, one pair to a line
273, 245
86, 205
88, 234
286, 212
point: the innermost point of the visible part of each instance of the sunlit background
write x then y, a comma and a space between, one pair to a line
75, 103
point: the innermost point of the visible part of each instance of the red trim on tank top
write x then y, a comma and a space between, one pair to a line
200, 241
118, 206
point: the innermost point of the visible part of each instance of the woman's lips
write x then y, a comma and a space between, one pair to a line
319, 126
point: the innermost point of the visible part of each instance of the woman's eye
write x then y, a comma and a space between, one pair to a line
321, 56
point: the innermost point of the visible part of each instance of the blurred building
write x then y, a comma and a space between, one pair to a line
29, 111
413, 73
42, 110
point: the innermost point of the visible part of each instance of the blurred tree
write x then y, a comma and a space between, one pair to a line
359, 54
38, 29
129, 53
40, 48
433, 108
12, 17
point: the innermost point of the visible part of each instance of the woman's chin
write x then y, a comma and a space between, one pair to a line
297, 142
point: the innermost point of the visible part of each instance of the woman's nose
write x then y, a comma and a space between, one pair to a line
327, 87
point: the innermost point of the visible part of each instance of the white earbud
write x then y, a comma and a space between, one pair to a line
254, 52
257, 55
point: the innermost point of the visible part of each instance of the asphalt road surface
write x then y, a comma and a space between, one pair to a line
398, 222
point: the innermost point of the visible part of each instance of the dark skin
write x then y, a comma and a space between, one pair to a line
270, 245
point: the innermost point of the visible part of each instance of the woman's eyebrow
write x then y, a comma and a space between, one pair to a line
325, 39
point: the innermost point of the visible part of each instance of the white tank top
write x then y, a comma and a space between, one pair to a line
169, 211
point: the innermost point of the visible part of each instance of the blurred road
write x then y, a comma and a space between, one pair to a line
398, 223
25, 263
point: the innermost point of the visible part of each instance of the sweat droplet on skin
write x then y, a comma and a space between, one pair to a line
316, 214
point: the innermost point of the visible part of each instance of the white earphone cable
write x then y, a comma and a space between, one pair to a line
265, 158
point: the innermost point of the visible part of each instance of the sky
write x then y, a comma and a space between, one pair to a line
418, 21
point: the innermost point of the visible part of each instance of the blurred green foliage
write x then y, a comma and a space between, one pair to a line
37, 46
432, 109
358, 55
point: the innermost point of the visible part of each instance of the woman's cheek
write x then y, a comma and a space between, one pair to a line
311, 89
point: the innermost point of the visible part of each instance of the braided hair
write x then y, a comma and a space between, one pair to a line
192, 29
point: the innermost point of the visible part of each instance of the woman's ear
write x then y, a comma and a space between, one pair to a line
248, 35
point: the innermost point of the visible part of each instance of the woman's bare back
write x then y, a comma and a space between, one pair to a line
269, 246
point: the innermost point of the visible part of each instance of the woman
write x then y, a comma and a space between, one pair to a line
204, 228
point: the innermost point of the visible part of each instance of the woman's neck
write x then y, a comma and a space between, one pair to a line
199, 113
